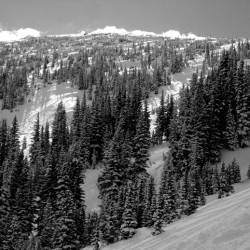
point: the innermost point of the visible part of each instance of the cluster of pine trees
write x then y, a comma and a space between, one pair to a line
41, 199
42, 203
211, 114
13, 86
42, 196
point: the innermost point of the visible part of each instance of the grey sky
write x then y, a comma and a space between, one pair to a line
204, 17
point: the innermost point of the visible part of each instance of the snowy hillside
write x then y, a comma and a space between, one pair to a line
172, 34
16, 35
177, 82
44, 101
221, 224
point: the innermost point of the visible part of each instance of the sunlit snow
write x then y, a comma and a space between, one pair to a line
16, 35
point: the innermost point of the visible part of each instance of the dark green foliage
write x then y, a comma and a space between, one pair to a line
161, 120
129, 222
97, 132
243, 96
4, 219
230, 132
193, 196
233, 170
65, 235
225, 184
168, 193
42, 202
59, 131
3, 143
142, 143
148, 205
13, 85
248, 172
157, 220
76, 122
113, 173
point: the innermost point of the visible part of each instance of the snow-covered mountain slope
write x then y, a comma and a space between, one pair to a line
172, 34
17, 35
44, 101
155, 166
221, 224
113, 30
176, 34
177, 82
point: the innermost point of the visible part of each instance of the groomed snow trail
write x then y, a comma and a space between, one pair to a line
222, 224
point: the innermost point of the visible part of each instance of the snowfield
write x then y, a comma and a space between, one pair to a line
91, 191
221, 224
44, 101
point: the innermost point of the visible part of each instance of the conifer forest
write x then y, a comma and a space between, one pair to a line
113, 128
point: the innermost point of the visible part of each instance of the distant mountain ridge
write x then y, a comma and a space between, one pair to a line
17, 35
172, 34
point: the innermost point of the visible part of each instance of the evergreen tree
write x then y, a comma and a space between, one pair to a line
3, 144
59, 131
96, 139
148, 203
243, 106
230, 132
193, 196
142, 143
248, 172
65, 235
113, 174
76, 122
47, 226
157, 219
4, 219
161, 120
129, 222
236, 176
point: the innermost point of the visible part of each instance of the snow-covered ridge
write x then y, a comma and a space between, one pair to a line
82, 33
17, 35
176, 34
172, 34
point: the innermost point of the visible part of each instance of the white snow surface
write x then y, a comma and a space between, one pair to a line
172, 34
82, 33
91, 191
221, 224
17, 35
177, 82
44, 101
109, 30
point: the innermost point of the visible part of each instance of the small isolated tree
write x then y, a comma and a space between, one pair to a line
236, 171
248, 172
157, 219
225, 185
